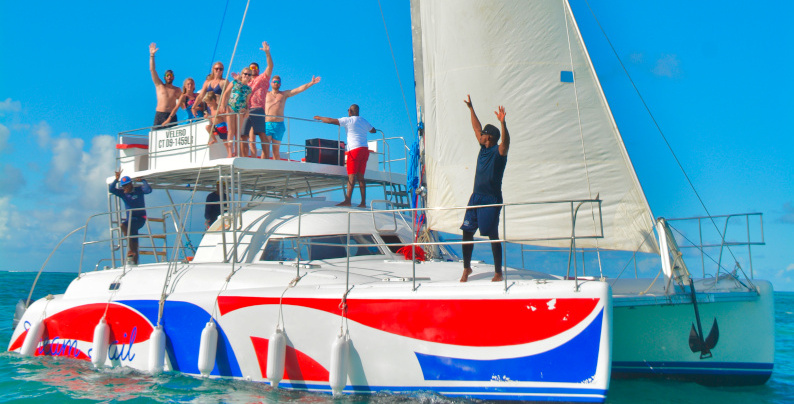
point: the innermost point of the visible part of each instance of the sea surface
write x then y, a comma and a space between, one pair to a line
56, 380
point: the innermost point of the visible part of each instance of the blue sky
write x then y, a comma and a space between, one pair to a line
75, 74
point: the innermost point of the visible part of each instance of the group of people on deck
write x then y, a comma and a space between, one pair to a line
249, 106
260, 112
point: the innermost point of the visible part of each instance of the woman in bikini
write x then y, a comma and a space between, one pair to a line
187, 100
215, 83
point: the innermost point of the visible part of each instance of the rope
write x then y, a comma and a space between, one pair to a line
229, 71
388, 39
217, 40
581, 135
658, 128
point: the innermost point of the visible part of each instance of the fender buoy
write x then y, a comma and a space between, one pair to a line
99, 354
207, 348
337, 377
276, 353
33, 338
157, 350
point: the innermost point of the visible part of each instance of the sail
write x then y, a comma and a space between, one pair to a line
528, 56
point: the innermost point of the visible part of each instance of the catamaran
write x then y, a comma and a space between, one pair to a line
288, 289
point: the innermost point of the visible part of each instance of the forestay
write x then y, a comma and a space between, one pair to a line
564, 145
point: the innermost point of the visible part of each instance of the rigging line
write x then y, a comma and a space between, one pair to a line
581, 135
239, 32
658, 128
388, 39
218, 40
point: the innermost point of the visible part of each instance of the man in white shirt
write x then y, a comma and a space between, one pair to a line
357, 151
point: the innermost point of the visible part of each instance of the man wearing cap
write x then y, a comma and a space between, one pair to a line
135, 217
491, 164
167, 93
357, 151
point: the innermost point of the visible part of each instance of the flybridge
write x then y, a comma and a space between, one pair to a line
181, 155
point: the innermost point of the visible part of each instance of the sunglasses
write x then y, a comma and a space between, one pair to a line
276, 81
253, 67
246, 74
169, 75
218, 68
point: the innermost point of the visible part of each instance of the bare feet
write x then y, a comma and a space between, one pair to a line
466, 273
497, 278
343, 203
362, 205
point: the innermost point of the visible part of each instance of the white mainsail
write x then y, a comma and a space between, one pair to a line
564, 145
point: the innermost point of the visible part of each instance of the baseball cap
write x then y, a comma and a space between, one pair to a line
491, 130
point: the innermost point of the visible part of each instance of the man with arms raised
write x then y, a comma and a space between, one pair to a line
167, 93
491, 163
274, 106
255, 124
357, 151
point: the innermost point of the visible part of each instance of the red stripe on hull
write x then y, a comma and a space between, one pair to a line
456, 322
297, 367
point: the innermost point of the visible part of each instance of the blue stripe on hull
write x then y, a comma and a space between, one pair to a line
575, 361
485, 393
693, 367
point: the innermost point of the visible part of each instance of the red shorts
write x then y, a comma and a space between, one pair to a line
357, 160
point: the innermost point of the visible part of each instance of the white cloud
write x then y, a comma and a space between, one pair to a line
4, 135
667, 65
43, 133
10, 106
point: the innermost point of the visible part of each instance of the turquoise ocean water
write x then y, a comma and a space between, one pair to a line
55, 380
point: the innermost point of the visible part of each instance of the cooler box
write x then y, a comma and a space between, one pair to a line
325, 151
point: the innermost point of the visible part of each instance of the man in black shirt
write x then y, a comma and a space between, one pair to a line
491, 164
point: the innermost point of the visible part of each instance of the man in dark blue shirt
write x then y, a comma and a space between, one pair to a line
491, 164
135, 217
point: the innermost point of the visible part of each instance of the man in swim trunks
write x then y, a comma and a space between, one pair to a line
357, 151
255, 124
491, 164
167, 93
134, 219
274, 107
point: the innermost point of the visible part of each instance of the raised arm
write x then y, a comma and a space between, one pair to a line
298, 90
332, 121
145, 187
155, 78
269, 69
475, 123
178, 103
505, 145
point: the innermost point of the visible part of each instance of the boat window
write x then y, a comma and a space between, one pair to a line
392, 239
319, 247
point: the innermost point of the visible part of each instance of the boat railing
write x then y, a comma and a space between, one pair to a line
188, 141
236, 235
720, 233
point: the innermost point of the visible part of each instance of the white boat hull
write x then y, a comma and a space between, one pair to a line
651, 336
541, 340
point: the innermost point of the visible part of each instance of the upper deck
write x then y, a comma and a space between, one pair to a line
179, 156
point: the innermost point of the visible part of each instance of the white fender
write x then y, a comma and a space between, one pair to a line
207, 348
33, 338
99, 353
338, 371
276, 353
157, 350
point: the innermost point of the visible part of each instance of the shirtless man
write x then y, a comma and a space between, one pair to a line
167, 93
274, 108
